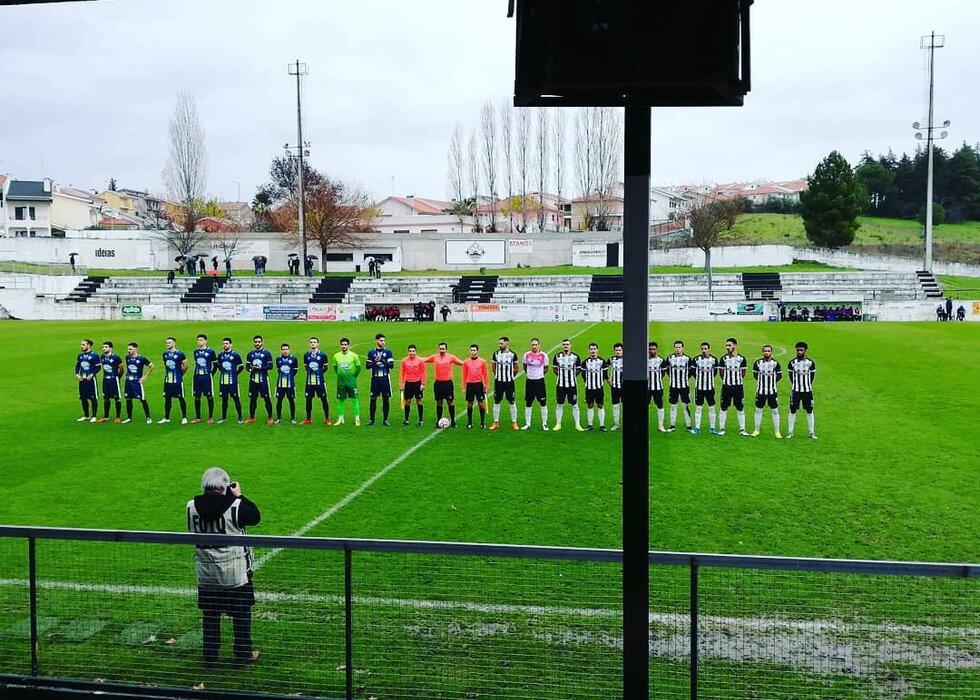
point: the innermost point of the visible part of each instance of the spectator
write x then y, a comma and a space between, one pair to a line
961, 313
444, 312
71, 261
224, 573
214, 264
191, 265
227, 267
170, 276
940, 313
949, 308
782, 310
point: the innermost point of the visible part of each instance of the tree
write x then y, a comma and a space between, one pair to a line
878, 182
488, 134
938, 214
473, 169
831, 204
211, 208
541, 162
710, 221
558, 154
523, 154
112, 184
186, 172
507, 148
964, 185
598, 137
262, 209
455, 173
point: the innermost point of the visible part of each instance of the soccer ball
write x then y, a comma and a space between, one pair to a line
443, 423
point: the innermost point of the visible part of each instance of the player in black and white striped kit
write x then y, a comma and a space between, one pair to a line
705, 369
732, 367
679, 369
566, 365
615, 382
504, 362
656, 369
801, 371
595, 374
767, 373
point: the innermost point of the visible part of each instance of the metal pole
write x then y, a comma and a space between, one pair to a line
694, 630
636, 425
299, 146
32, 575
928, 255
348, 623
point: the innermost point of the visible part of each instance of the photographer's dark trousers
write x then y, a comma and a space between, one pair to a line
237, 604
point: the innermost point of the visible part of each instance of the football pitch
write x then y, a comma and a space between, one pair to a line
894, 475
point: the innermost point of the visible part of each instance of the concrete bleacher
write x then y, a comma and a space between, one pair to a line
551, 289
694, 287
267, 290
850, 286
392, 291
141, 290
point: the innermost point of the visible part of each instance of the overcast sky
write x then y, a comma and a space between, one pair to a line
88, 88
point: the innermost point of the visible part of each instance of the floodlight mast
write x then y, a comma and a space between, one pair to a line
934, 42
299, 69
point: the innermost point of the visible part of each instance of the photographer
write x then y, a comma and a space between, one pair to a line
224, 574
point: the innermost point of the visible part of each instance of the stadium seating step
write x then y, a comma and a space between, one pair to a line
929, 284
84, 289
478, 289
331, 290
606, 288
761, 285
203, 290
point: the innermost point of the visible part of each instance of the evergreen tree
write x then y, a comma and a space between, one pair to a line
879, 183
831, 204
964, 186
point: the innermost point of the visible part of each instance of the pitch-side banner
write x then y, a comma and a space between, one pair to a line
475, 252
589, 254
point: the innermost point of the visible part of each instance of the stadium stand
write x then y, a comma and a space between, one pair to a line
865, 285
148, 290
569, 289
400, 290
475, 289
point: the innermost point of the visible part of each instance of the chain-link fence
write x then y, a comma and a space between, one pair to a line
381, 619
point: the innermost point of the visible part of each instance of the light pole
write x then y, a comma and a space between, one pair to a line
300, 69
238, 189
934, 42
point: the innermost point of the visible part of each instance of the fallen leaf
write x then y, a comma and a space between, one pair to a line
172, 640
100, 680
452, 508
199, 686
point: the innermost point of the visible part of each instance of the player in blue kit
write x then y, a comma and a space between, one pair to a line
205, 365
174, 368
259, 362
288, 366
380, 361
135, 377
315, 361
230, 365
87, 365
111, 371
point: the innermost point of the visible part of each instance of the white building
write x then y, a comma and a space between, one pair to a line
418, 215
668, 206
73, 209
25, 208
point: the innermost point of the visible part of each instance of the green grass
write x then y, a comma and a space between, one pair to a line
958, 282
787, 229
894, 476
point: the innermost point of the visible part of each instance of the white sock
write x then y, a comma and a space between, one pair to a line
697, 417
602, 417
711, 417
809, 422
673, 414
790, 422
527, 415
559, 413
741, 420
544, 415
775, 419
687, 415
758, 418
513, 413
660, 417
722, 417
590, 413
577, 415
615, 414
496, 413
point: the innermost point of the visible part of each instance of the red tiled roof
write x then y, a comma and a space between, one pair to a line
73, 192
113, 221
425, 206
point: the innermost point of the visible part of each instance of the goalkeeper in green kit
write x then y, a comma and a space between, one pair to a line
347, 365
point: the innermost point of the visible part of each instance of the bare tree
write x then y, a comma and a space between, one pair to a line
488, 134
473, 169
541, 162
523, 154
558, 154
711, 220
455, 172
186, 172
598, 142
507, 147
584, 155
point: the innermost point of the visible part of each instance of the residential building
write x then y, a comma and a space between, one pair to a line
666, 205
509, 216
413, 206
419, 215
26, 207
599, 212
73, 209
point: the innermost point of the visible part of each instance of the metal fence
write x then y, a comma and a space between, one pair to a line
386, 619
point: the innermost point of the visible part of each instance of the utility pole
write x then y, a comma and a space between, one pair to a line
299, 69
931, 42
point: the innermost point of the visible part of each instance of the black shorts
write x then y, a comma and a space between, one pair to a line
285, 392
110, 389
381, 386
228, 389
444, 391
804, 398
657, 395
256, 389
734, 394
134, 390
316, 390
702, 396
569, 393
203, 386
615, 395
680, 392
534, 390
231, 601
595, 396
173, 391
412, 390
475, 391
87, 389
763, 399
502, 390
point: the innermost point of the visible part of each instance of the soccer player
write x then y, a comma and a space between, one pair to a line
259, 361
443, 388
476, 383
174, 367
705, 369
679, 369
315, 361
205, 366
230, 365
347, 365
656, 369
380, 362
767, 373
504, 362
411, 383
87, 365
135, 377
566, 365
111, 371
288, 366
535, 363
801, 372
595, 373
615, 382
733, 367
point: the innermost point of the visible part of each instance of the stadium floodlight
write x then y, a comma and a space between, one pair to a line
932, 42
300, 69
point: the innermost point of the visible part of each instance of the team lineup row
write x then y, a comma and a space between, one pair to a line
677, 371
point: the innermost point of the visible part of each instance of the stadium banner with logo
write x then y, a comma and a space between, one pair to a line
285, 312
335, 312
976, 308
749, 309
242, 251
479, 252
237, 312
518, 245
589, 254
131, 311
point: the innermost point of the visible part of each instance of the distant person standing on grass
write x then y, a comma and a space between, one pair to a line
444, 312
949, 308
71, 261
224, 573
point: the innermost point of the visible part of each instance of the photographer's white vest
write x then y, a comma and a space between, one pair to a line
224, 567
